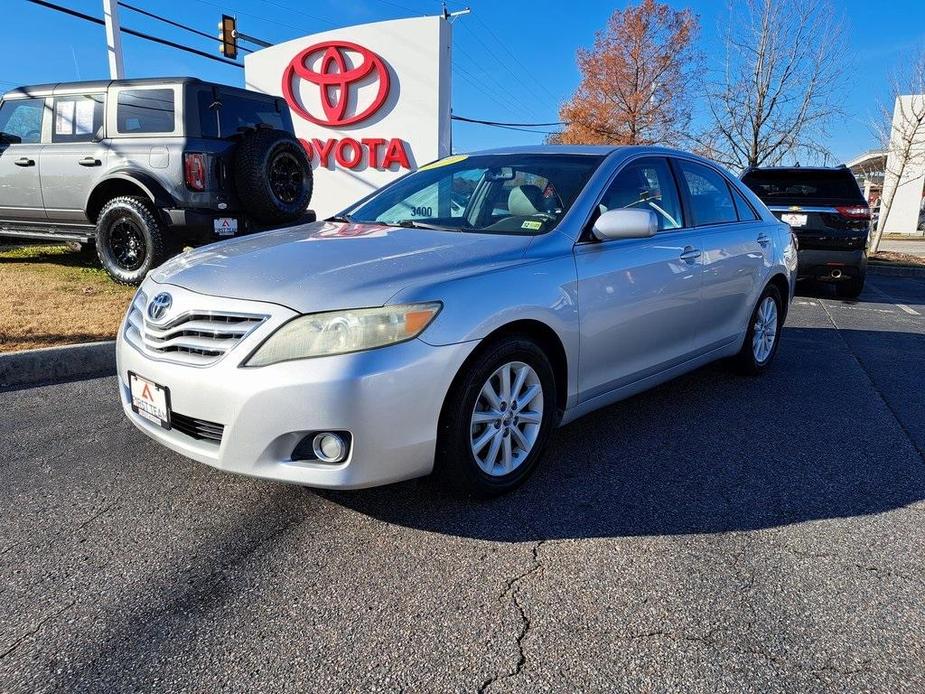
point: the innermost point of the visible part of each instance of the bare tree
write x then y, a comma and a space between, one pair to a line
777, 92
902, 132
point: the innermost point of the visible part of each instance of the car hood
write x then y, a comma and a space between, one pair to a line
326, 266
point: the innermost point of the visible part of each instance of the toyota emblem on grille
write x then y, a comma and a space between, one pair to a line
159, 306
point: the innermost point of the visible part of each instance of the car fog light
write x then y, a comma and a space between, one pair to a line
329, 447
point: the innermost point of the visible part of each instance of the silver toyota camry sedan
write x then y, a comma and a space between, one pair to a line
449, 321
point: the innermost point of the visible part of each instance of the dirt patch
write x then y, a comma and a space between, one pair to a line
894, 258
51, 295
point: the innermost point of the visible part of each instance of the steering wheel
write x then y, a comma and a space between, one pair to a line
32, 133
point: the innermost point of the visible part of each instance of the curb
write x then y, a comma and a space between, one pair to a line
895, 271
35, 366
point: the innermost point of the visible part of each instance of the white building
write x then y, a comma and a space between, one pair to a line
899, 170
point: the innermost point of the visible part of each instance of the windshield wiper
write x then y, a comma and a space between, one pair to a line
414, 224
342, 218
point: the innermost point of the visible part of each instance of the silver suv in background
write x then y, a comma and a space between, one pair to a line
140, 168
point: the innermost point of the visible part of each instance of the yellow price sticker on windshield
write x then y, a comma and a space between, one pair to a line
446, 161
535, 226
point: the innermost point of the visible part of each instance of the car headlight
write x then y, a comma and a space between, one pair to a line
340, 332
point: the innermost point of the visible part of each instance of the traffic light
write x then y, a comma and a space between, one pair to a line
228, 36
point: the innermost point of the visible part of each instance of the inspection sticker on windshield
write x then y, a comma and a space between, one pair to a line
535, 226
446, 161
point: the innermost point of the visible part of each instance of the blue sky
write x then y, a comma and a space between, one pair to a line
44, 46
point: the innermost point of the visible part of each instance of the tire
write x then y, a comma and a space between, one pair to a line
850, 289
273, 176
129, 239
752, 361
456, 464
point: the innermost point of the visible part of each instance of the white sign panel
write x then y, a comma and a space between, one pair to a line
368, 102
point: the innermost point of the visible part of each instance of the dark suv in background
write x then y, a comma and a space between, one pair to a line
140, 168
830, 217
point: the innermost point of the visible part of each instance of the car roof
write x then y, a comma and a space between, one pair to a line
840, 167
101, 85
598, 150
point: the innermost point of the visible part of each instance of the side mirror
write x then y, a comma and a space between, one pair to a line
625, 224
9, 139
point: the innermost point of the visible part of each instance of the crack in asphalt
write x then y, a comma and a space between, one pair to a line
34, 631
103, 511
510, 594
873, 383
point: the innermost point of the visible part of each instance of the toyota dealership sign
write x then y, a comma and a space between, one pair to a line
368, 102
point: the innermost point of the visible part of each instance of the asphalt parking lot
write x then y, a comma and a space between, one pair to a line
715, 534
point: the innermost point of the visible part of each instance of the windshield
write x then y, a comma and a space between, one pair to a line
502, 193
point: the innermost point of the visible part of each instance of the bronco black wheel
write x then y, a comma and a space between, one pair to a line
129, 239
273, 176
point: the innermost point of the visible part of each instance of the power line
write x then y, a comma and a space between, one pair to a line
133, 32
258, 17
173, 23
323, 20
520, 125
511, 53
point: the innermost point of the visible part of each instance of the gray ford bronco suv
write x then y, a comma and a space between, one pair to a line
140, 168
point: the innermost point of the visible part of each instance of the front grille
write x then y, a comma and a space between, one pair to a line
195, 337
197, 428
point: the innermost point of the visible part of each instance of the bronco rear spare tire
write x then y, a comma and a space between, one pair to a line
273, 176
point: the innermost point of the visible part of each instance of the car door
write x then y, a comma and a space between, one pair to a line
735, 246
20, 149
638, 299
75, 159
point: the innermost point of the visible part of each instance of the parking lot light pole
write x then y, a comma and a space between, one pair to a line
113, 39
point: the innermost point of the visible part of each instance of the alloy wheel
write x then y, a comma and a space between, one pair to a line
286, 178
506, 419
765, 330
127, 244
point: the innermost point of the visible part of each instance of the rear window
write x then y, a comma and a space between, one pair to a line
145, 111
791, 185
226, 115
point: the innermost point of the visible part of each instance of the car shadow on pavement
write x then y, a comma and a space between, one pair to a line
815, 438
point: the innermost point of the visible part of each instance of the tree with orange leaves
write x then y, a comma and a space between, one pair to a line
634, 87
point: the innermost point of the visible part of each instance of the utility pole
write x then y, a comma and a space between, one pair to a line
113, 39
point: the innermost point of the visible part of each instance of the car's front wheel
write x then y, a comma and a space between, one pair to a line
129, 239
763, 335
497, 418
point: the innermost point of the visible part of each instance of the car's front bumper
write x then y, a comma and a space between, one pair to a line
388, 399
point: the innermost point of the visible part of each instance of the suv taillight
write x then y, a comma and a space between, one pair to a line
854, 212
194, 164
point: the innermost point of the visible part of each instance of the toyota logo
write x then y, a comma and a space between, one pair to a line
334, 78
159, 306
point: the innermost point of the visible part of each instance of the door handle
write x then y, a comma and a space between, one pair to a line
764, 240
24, 161
690, 254
89, 161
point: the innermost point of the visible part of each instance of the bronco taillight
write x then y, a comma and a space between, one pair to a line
854, 212
194, 165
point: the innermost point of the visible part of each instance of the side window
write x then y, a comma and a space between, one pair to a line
746, 212
711, 202
78, 118
646, 184
22, 118
145, 111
